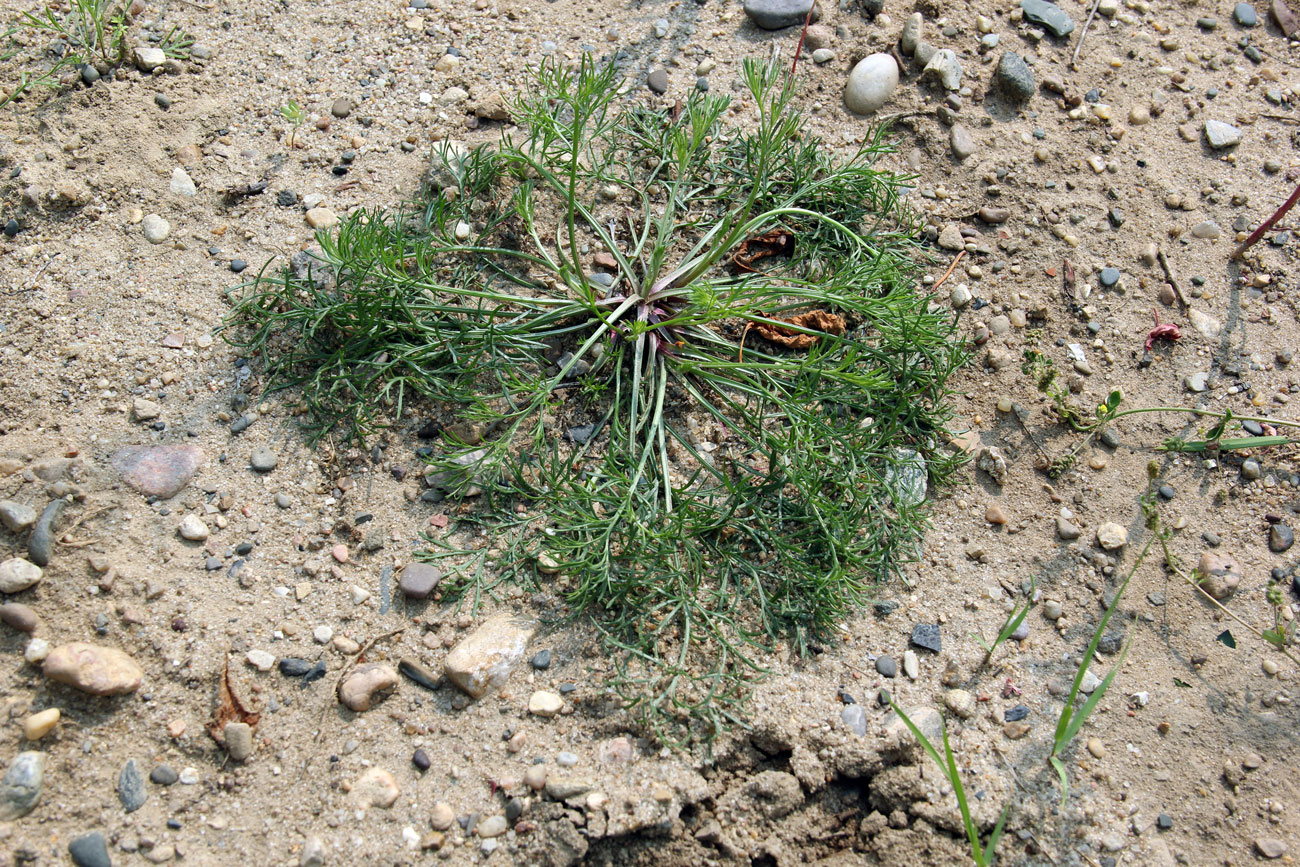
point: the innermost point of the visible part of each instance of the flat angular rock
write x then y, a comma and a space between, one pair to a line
419, 580
482, 661
158, 471
926, 636
130, 787
20, 788
944, 68
775, 14
1047, 15
16, 516
93, 670
1221, 135
90, 850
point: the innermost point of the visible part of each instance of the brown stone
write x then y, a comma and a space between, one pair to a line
94, 670
19, 616
158, 471
366, 685
419, 580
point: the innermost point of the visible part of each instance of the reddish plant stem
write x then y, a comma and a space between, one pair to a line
802, 33
1266, 225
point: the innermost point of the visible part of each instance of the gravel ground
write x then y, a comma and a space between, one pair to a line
132, 215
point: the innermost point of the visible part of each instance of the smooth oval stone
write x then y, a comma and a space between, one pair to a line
93, 670
775, 14
871, 83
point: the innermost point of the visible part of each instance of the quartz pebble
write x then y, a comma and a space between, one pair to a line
16, 517
544, 703
17, 575
92, 669
365, 685
871, 83
155, 229
1112, 536
484, 659
193, 529
376, 787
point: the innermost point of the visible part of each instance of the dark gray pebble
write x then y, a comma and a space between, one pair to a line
240, 424
90, 850
243, 549
1211, 538
1014, 77
1110, 643
316, 673
1166, 492
657, 80
292, 666
775, 14
12, 228
883, 698
1164, 822
1253, 428
886, 665
1207, 23
514, 809
1047, 15
885, 608
542, 660
566, 688
89, 74
40, 547
1109, 438
582, 433
238, 265
421, 760
414, 670
1109, 276
212, 564
130, 787
286, 198
164, 775
1280, 538
926, 637
1017, 713
1244, 14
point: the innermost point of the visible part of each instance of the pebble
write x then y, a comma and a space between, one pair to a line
1280, 538
1244, 14
855, 718
1047, 15
130, 787
911, 664
1014, 77
961, 142
1067, 530
945, 68
1250, 469
148, 58
321, 218
414, 670
374, 788
657, 80
1207, 229
545, 703
263, 460
340, 553
1270, 847
886, 665
16, 517
1270, 667
912, 31
1221, 135
1109, 276
484, 659
20, 788
1197, 382
994, 216
872, 81
1015, 714
155, 229
960, 702
164, 775
90, 850
322, 634
994, 515
1089, 683
189, 776
421, 760
419, 580
158, 471
1112, 536
1220, 574
442, 816
17, 575
182, 184
775, 14
823, 55
926, 636
1052, 609
38, 725
492, 826
237, 266
239, 740
313, 853
193, 529
36, 651
292, 666
92, 669
366, 685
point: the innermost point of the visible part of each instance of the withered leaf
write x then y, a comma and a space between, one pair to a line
817, 320
230, 708
777, 242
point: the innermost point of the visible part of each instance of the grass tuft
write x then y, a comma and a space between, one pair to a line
755, 377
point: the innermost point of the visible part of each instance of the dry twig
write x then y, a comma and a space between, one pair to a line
1083, 35
948, 273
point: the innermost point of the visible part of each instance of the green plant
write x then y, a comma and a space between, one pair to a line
759, 375
93, 31
1072, 718
176, 43
1015, 617
981, 853
297, 116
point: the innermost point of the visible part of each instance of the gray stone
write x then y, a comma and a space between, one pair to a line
855, 718
16, 516
90, 850
1280, 538
1207, 230
961, 141
907, 478
155, 229
912, 33
1221, 135
164, 775
871, 83
130, 787
419, 580
886, 665
457, 473
657, 80
775, 14
20, 788
239, 740
1047, 15
263, 460
924, 53
1244, 14
944, 68
926, 636
313, 853
1014, 77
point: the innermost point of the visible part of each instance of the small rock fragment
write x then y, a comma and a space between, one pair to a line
239, 740
544, 703
1112, 536
1219, 574
483, 659
17, 575
366, 685
20, 788
374, 788
130, 787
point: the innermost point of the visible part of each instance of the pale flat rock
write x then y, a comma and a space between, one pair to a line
1205, 324
158, 471
544, 703
366, 685
482, 661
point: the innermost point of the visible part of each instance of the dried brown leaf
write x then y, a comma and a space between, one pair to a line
815, 320
777, 242
230, 708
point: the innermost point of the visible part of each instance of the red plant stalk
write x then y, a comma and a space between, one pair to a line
804, 32
1266, 225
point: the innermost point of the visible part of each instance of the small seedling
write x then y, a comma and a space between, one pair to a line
1014, 618
297, 116
982, 853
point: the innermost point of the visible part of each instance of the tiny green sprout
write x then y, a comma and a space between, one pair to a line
297, 116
